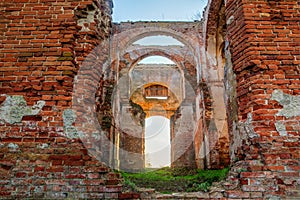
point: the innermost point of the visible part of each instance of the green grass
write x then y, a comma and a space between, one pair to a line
167, 180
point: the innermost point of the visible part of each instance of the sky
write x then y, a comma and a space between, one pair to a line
160, 40
156, 60
157, 10
157, 142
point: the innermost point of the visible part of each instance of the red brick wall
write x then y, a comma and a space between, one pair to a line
42, 46
264, 43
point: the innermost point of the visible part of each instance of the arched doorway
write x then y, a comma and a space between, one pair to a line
157, 142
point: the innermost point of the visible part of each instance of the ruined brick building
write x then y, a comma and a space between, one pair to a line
74, 98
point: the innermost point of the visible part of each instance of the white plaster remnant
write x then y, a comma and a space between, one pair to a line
290, 103
69, 117
14, 108
43, 146
88, 16
230, 20
247, 127
280, 127
243, 131
96, 136
13, 147
89, 19
31, 125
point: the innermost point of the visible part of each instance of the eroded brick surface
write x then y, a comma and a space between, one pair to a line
42, 46
251, 46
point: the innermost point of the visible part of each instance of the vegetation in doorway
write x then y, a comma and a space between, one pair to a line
168, 180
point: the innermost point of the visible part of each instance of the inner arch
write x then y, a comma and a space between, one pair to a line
156, 58
149, 32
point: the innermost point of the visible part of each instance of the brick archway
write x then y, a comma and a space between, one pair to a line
126, 55
127, 33
188, 33
186, 64
44, 44
187, 60
169, 75
109, 71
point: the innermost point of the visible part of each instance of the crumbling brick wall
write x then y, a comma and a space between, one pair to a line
43, 44
264, 43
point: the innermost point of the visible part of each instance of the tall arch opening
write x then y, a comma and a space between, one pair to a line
148, 42
142, 75
157, 142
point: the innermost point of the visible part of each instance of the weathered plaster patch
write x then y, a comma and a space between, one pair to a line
230, 20
247, 127
291, 104
13, 147
280, 127
14, 108
273, 197
69, 118
242, 132
87, 16
291, 108
29, 125
43, 146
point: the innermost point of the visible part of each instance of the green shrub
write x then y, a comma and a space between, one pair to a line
167, 180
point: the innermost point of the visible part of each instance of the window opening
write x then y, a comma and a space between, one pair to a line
156, 92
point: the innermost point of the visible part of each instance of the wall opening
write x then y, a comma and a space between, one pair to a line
158, 40
156, 60
157, 142
156, 92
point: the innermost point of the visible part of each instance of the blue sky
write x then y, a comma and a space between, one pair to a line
157, 10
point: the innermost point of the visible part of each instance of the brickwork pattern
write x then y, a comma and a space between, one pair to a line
264, 43
43, 44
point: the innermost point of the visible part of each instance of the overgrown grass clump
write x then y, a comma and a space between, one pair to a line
167, 180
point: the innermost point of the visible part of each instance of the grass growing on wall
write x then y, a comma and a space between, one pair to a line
167, 180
